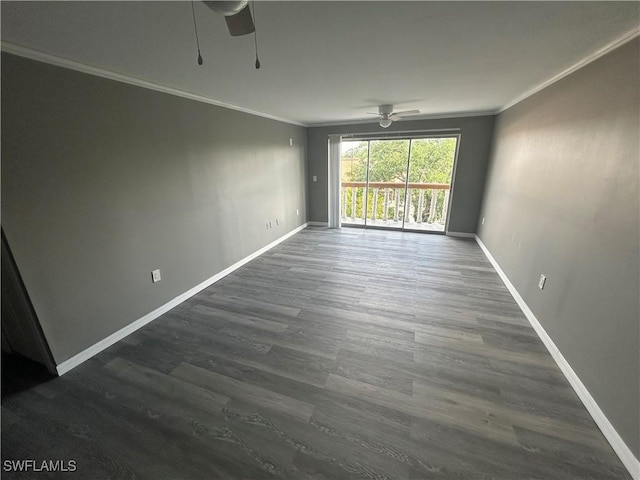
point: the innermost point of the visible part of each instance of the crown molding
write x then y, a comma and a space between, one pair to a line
618, 42
119, 77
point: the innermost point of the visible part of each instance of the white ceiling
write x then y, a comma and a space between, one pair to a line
330, 62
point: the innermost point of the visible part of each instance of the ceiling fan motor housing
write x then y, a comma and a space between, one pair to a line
227, 8
385, 109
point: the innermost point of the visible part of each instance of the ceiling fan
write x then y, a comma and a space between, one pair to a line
237, 15
388, 116
239, 20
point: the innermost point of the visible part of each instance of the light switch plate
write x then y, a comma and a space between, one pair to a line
155, 276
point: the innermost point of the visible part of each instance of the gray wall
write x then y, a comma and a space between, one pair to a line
103, 182
562, 199
473, 156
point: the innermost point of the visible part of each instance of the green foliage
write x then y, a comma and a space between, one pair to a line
348, 210
431, 160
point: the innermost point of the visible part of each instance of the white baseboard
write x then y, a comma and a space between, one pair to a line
86, 354
460, 234
617, 443
318, 224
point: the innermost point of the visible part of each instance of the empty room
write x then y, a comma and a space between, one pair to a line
320, 240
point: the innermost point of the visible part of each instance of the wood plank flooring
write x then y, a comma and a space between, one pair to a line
347, 354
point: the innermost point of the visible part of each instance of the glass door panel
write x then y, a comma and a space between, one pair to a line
386, 182
429, 183
354, 159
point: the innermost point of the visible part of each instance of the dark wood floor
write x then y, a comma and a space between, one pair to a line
337, 354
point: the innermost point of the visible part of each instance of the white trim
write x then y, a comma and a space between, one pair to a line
617, 443
119, 77
318, 224
452, 184
461, 234
86, 354
435, 116
618, 42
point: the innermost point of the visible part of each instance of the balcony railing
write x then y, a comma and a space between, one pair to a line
426, 207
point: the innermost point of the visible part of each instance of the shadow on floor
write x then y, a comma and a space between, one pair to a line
20, 373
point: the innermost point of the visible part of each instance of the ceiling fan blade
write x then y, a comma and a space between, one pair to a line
406, 112
241, 23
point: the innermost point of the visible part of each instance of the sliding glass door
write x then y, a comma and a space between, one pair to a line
399, 183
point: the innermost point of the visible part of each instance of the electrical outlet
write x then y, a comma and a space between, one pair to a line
297, 211
315, 178
541, 282
291, 142
482, 220
155, 276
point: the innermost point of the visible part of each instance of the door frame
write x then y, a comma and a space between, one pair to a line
21, 329
401, 135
